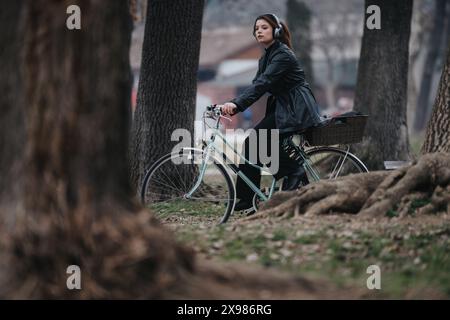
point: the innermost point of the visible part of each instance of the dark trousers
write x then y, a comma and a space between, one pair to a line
286, 164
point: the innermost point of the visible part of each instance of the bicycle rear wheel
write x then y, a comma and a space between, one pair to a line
168, 185
332, 163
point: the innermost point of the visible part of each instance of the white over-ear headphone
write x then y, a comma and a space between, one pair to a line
277, 31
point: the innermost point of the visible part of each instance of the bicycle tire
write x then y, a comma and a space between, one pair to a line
163, 175
352, 163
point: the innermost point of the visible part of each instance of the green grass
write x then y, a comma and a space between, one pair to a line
418, 203
184, 207
391, 213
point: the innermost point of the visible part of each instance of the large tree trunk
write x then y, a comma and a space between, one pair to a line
77, 192
381, 89
437, 138
167, 83
434, 46
76, 131
299, 21
12, 127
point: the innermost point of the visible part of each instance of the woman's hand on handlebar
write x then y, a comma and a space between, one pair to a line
229, 108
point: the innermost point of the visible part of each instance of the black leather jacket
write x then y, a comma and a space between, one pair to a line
279, 73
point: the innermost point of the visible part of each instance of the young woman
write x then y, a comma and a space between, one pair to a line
290, 108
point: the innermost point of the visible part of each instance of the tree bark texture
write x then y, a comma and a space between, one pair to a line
72, 116
12, 126
381, 90
77, 196
167, 83
437, 137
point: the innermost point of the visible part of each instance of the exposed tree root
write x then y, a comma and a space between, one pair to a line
429, 175
424, 185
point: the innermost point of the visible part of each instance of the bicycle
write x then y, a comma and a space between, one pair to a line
194, 182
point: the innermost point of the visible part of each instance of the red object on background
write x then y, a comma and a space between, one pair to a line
133, 99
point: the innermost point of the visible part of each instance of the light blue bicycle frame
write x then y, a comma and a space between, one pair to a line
210, 147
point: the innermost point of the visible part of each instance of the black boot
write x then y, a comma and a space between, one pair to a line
295, 180
243, 205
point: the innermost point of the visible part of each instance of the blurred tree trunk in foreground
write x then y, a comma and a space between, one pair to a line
168, 81
76, 191
12, 127
381, 90
437, 138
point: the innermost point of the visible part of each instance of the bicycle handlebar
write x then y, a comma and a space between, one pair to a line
216, 112
213, 107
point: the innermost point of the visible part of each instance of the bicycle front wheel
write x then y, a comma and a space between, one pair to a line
332, 163
183, 188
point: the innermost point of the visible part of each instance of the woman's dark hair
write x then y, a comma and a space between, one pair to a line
285, 36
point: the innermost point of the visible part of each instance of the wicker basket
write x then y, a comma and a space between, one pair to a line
344, 129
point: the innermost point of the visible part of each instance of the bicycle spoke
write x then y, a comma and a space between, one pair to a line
166, 185
334, 169
182, 180
331, 162
173, 177
169, 180
179, 178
